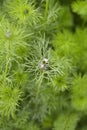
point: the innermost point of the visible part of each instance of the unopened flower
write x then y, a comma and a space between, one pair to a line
43, 63
8, 33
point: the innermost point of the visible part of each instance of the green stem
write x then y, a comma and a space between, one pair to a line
38, 88
46, 9
46, 14
6, 67
5, 72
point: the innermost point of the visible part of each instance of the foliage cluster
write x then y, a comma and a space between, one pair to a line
43, 66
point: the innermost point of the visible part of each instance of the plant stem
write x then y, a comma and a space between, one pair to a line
7, 64
46, 9
39, 82
46, 14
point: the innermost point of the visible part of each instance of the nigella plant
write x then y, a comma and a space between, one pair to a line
12, 37
23, 11
43, 63
43, 66
9, 100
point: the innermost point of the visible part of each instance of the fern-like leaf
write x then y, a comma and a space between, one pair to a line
66, 121
80, 7
9, 100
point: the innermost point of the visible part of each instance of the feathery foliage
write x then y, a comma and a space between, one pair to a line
79, 98
9, 100
43, 66
80, 7
23, 11
66, 121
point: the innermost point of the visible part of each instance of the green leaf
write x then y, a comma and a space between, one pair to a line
22, 11
79, 93
80, 7
9, 99
66, 121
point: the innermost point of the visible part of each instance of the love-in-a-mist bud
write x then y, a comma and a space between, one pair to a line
8, 33
43, 63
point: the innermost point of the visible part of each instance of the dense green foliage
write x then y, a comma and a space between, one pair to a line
43, 66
